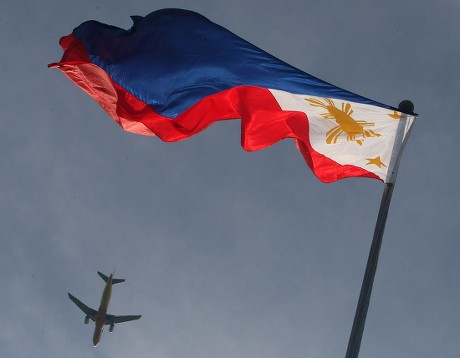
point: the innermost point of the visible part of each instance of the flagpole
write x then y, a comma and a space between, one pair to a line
359, 322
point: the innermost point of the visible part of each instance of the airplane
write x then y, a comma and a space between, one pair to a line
100, 317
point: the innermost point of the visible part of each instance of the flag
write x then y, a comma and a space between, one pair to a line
174, 73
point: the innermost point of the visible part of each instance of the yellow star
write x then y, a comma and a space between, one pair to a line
395, 115
375, 161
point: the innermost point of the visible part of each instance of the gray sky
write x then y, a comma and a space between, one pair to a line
228, 253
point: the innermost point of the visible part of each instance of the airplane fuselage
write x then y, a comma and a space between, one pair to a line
102, 311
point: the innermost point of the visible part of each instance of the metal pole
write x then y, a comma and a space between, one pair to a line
354, 343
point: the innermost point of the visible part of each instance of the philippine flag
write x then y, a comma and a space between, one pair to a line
174, 73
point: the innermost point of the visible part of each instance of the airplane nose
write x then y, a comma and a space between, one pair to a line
96, 339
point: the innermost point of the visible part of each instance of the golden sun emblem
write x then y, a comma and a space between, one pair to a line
345, 123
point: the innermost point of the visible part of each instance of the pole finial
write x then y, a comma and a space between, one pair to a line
406, 106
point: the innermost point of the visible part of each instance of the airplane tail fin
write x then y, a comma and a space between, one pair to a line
117, 280
114, 280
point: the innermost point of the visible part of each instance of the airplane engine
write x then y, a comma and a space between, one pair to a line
86, 319
112, 325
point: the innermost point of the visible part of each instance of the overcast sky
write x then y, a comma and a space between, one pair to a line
227, 253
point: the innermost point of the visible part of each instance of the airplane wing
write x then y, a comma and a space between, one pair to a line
88, 311
109, 319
